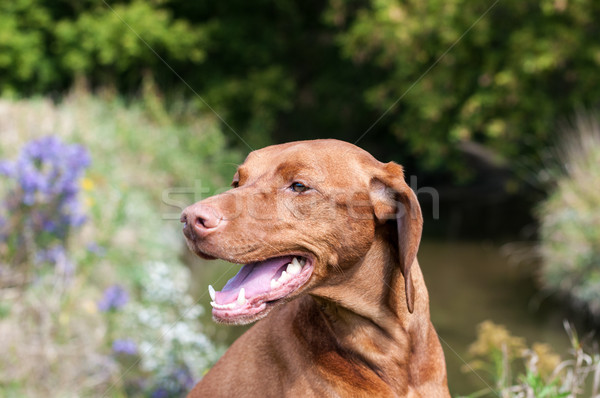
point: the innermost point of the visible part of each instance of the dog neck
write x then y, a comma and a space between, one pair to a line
368, 315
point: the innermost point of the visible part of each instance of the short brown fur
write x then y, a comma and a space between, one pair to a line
360, 326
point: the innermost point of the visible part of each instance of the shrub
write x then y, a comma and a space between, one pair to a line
570, 221
109, 314
455, 75
460, 77
518, 371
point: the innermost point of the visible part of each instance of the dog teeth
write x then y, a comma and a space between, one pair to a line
211, 291
223, 306
274, 284
294, 267
241, 300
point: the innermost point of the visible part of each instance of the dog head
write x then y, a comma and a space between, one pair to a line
298, 216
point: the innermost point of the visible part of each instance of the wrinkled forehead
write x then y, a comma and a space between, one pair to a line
324, 159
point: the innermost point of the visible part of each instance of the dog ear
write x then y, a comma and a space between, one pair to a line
392, 198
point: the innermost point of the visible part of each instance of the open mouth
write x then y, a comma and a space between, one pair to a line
258, 286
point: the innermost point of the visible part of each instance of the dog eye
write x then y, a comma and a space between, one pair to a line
299, 187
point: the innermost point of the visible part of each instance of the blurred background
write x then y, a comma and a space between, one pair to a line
116, 114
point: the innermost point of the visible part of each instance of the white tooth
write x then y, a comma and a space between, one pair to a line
274, 284
241, 300
283, 277
302, 261
222, 306
211, 291
294, 267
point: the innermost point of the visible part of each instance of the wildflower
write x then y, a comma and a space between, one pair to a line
54, 255
47, 168
160, 392
87, 184
45, 179
96, 249
184, 378
177, 382
124, 346
6, 168
492, 337
114, 298
547, 359
58, 257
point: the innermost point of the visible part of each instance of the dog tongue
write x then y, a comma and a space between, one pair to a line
255, 278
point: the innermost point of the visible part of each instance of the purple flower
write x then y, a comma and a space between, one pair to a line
2, 227
47, 168
54, 254
49, 225
114, 298
160, 392
45, 180
184, 378
6, 168
124, 346
176, 383
96, 249
57, 256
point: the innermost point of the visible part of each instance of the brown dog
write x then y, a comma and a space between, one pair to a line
329, 236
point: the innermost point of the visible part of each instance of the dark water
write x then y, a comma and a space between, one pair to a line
468, 283
472, 282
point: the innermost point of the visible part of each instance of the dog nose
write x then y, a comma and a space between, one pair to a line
200, 219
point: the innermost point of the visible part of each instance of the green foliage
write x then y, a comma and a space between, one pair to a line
23, 55
61, 335
517, 371
462, 73
124, 38
570, 222
454, 75
45, 45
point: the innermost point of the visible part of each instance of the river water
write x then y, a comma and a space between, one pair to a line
468, 282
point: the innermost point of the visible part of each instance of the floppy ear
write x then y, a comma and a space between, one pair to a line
392, 198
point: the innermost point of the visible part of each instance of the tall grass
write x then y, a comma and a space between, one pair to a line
516, 370
76, 335
570, 219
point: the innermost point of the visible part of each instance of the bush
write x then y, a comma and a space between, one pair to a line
518, 371
109, 314
570, 221
457, 74
460, 77
44, 46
